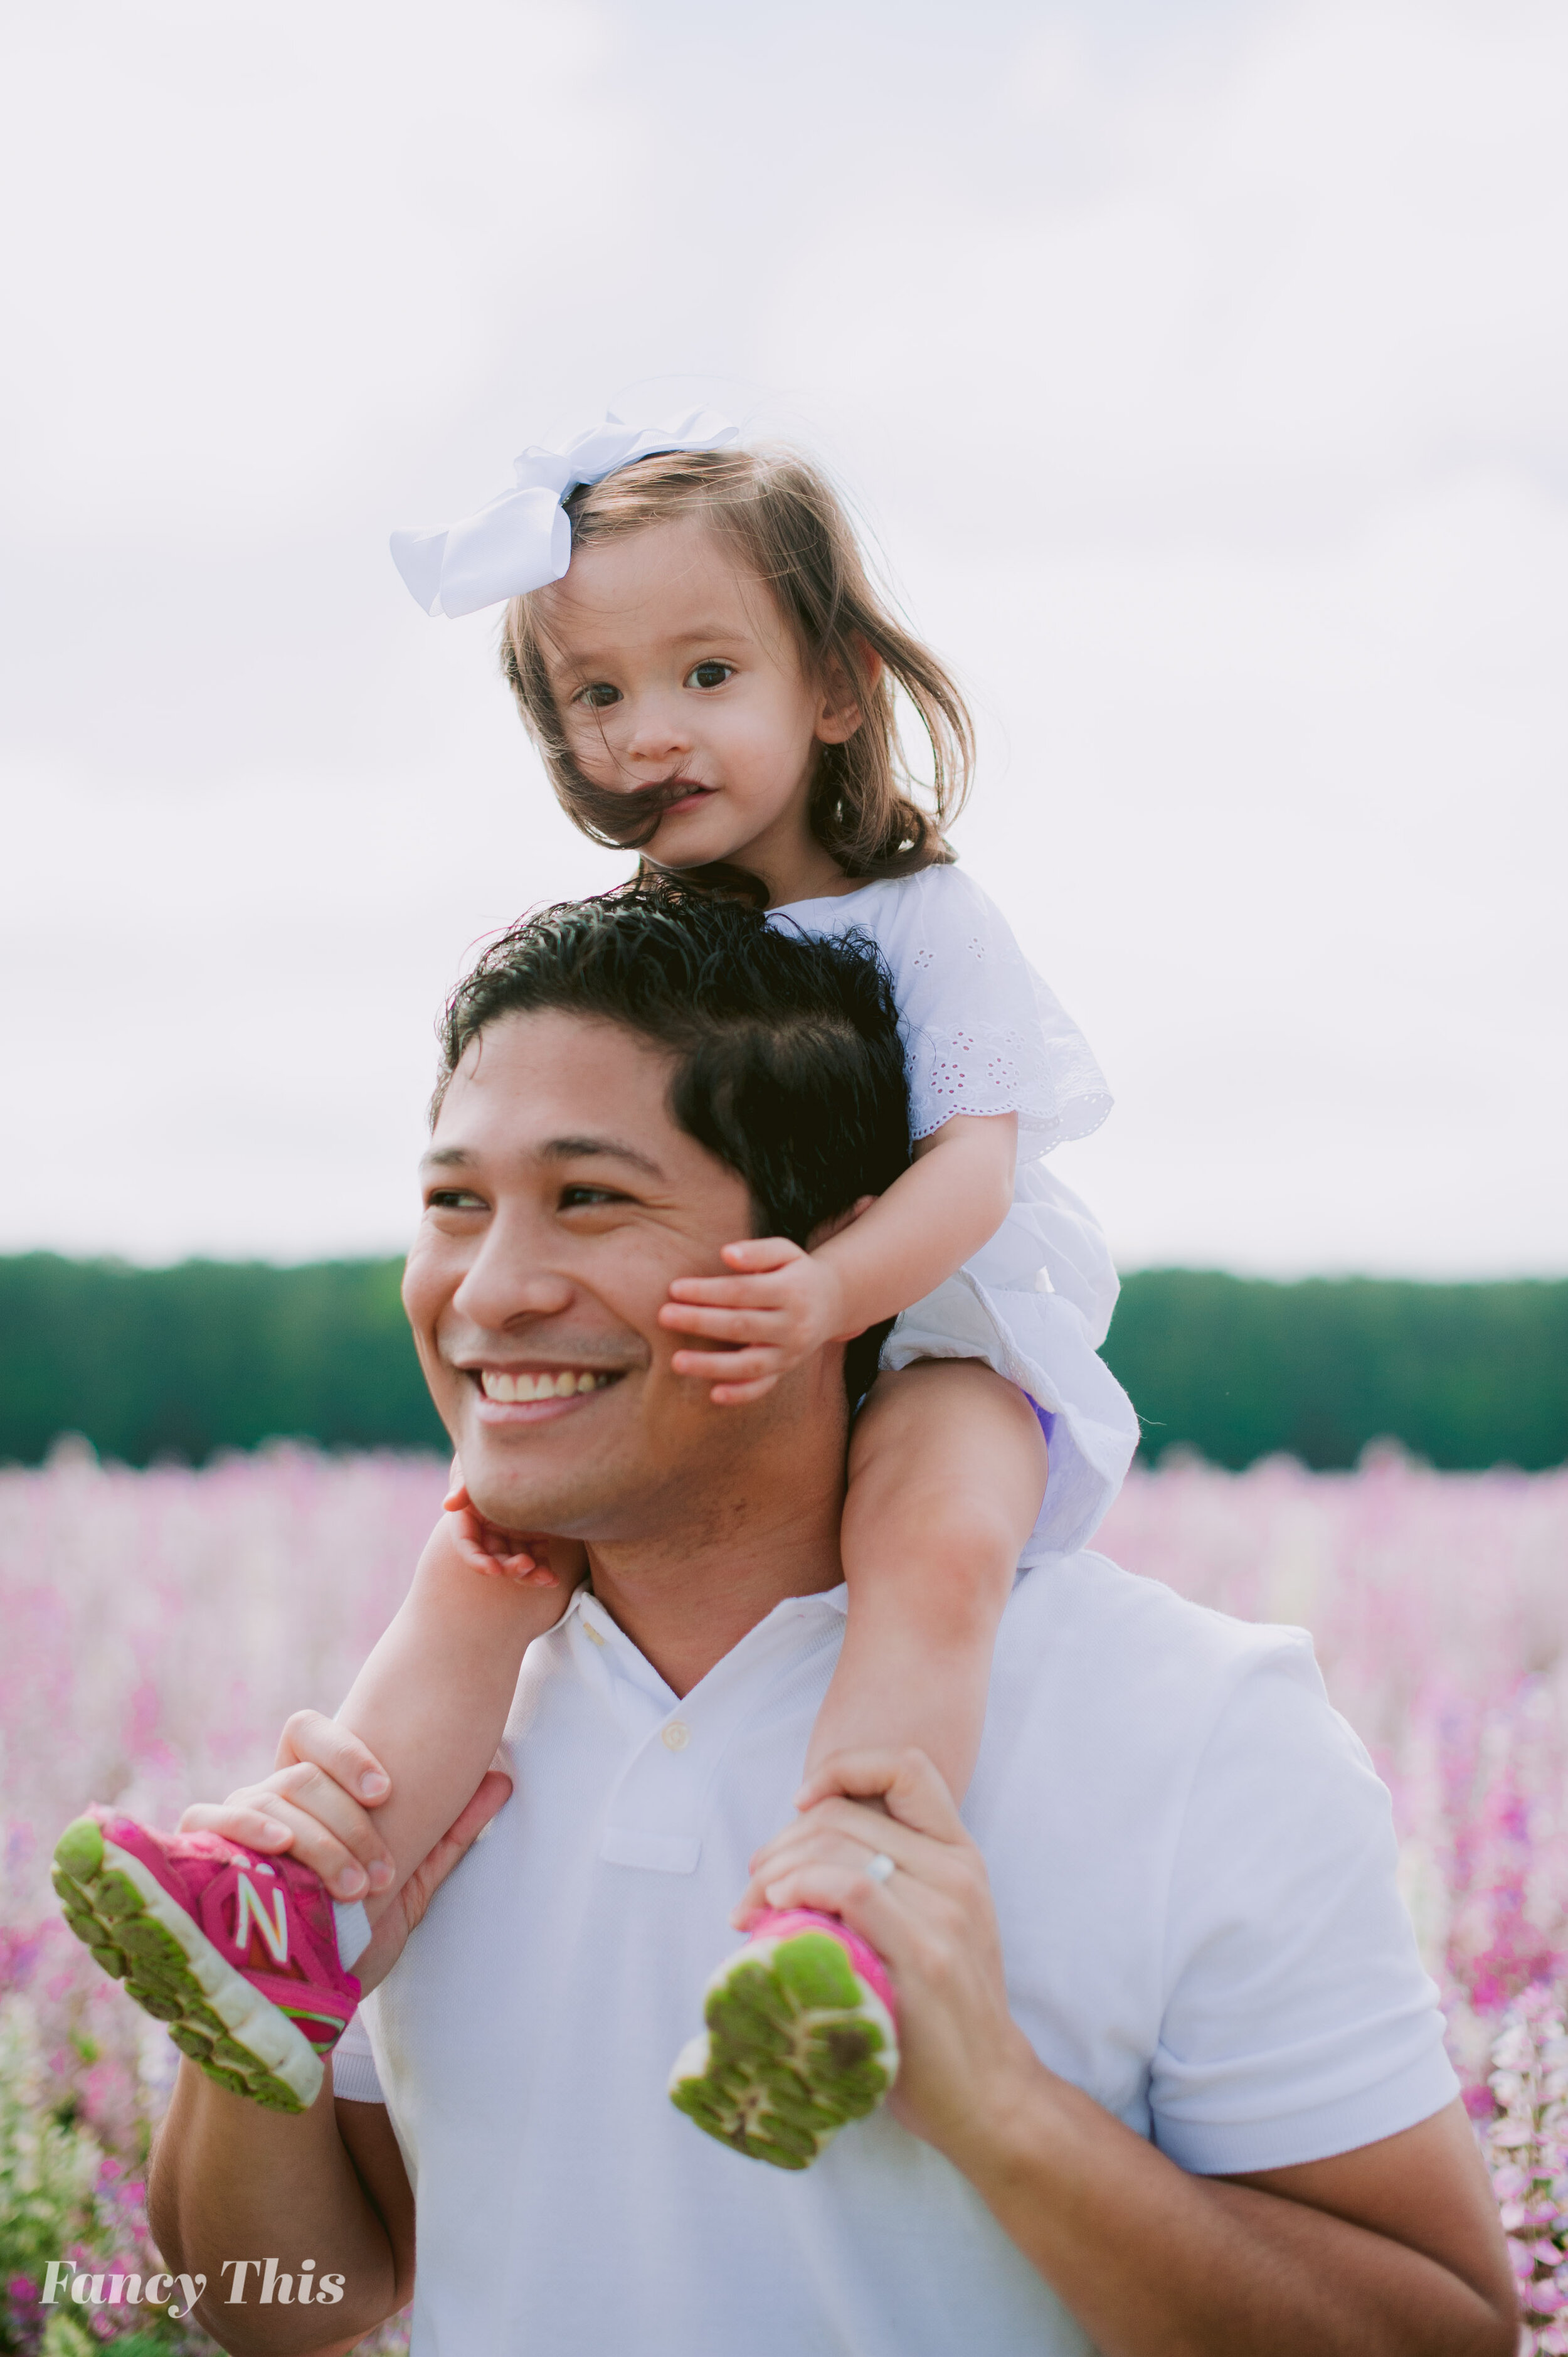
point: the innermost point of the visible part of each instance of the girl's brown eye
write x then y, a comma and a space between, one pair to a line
599, 696
711, 675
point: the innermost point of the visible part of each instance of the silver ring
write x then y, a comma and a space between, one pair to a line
881, 1868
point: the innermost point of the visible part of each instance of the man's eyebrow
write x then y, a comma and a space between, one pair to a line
574, 1149
555, 1149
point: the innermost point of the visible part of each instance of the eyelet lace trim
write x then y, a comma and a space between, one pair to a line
987, 1068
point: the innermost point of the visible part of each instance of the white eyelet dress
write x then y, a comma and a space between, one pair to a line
984, 1035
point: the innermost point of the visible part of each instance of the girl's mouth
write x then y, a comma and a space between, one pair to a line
684, 795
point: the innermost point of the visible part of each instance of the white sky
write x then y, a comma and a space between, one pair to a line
1202, 364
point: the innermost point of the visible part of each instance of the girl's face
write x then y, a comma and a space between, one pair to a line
670, 664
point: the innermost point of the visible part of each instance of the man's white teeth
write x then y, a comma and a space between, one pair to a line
544, 1386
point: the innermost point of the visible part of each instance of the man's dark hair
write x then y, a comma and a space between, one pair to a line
787, 1061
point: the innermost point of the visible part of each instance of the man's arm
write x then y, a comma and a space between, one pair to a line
1391, 2251
230, 2181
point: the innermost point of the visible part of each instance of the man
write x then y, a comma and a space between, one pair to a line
1172, 2084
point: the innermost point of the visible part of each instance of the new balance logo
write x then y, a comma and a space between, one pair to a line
273, 1928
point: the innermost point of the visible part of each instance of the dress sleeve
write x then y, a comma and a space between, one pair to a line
1297, 2020
983, 1034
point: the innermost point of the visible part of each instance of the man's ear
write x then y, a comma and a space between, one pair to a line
840, 1220
839, 715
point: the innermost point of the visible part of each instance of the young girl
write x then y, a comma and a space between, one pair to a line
710, 677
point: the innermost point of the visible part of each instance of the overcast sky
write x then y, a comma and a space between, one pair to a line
1202, 368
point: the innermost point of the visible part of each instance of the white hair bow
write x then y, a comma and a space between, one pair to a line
522, 539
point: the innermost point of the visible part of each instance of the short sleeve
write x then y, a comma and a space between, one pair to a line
354, 2076
982, 1033
1297, 2022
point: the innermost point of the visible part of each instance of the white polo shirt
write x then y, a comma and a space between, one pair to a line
1193, 1866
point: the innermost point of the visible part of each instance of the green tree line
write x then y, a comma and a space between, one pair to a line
215, 1354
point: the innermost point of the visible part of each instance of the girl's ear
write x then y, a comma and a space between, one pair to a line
838, 715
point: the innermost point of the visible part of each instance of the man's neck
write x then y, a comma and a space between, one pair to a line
686, 1596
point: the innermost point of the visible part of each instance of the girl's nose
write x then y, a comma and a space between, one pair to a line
659, 730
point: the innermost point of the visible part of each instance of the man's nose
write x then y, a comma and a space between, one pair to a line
510, 1278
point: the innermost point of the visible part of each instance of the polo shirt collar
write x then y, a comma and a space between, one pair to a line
661, 1801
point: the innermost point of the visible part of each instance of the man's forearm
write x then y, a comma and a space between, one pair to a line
232, 2182
1157, 2263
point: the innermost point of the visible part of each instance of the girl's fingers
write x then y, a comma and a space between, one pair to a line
724, 1292
737, 1394
485, 1559
729, 1366
526, 1569
754, 1325
524, 1572
762, 1253
311, 1737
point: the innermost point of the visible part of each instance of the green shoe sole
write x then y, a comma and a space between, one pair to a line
144, 1937
796, 2045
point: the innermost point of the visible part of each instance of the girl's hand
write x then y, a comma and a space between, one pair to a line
529, 1558
965, 2063
780, 1305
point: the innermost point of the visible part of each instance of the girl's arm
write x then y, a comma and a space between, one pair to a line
782, 1303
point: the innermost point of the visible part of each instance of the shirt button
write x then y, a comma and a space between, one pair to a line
676, 1736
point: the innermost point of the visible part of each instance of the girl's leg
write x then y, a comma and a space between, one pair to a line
947, 1471
237, 1951
433, 1699
947, 1467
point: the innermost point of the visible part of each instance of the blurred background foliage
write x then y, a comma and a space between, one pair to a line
177, 1362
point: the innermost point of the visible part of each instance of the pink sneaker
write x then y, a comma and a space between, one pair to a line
802, 2036
236, 1952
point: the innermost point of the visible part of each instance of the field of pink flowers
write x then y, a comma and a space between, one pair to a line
159, 1626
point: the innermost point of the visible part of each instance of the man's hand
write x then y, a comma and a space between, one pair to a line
319, 1803
1392, 2250
962, 2055
225, 2174
408, 1907
782, 1304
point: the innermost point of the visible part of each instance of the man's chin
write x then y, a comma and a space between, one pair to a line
513, 1486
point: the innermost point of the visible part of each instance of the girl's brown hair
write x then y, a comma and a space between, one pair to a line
788, 527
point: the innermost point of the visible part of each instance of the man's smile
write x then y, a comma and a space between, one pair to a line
532, 1394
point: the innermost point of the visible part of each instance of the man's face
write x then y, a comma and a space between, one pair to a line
560, 1199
